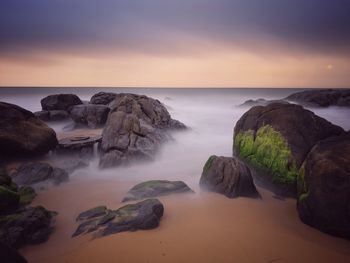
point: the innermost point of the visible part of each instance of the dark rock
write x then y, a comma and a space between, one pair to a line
91, 115
22, 133
71, 165
156, 188
260, 102
42, 115
10, 255
135, 128
29, 226
9, 200
27, 195
103, 98
324, 187
132, 217
81, 145
60, 102
276, 139
93, 212
322, 97
228, 176
58, 115
33, 173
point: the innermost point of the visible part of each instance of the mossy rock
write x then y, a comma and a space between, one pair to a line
275, 140
9, 200
27, 195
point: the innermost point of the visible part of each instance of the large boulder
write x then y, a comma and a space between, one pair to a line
322, 98
27, 226
135, 128
156, 188
22, 133
228, 176
143, 215
60, 102
91, 115
276, 139
103, 98
324, 187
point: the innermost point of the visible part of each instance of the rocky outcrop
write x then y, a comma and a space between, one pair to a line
35, 173
156, 188
324, 187
23, 134
140, 216
276, 139
228, 176
90, 115
60, 102
135, 128
322, 98
83, 146
103, 98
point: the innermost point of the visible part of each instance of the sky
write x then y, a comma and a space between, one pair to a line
182, 43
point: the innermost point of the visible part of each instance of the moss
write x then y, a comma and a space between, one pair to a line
302, 184
208, 163
27, 194
268, 150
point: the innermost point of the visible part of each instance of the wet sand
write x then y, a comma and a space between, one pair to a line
201, 227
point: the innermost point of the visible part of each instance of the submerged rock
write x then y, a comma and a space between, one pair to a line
81, 145
36, 172
228, 176
91, 115
156, 188
93, 212
322, 97
60, 102
22, 133
324, 187
132, 217
276, 139
135, 128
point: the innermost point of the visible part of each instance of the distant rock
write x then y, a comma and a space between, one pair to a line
261, 102
36, 172
324, 187
83, 146
140, 216
60, 102
156, 188
54, 115
322, 97
22, 133
228, 176
135, 128
91, 115
103, 98
276, 139
10, 255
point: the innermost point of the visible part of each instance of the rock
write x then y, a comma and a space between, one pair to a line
156, 188
135, 128
103, 98
93, 212
58, 115
43, 115
228, 176
132, 217
60, 102
260, 102
22, 133
91, 115
28, 226
34, 173
27, 195
324, 187
276, 139
322, 97
9, 200
10, 255
83, 146
71, 165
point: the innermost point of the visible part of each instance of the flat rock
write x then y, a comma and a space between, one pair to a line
156, 188
324, 187
228, 176
22, 133
60, 102
81, 145
140, 216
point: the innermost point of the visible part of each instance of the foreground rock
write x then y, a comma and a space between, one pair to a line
276, 139
83, 146
136, 127
91, 115
156, 188
60, 102
140, 216
324, 187
228, 176
22, 133
10, 255
322, 98
36, 173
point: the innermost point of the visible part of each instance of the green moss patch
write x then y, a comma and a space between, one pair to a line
302, 184
267, 150
208, 163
